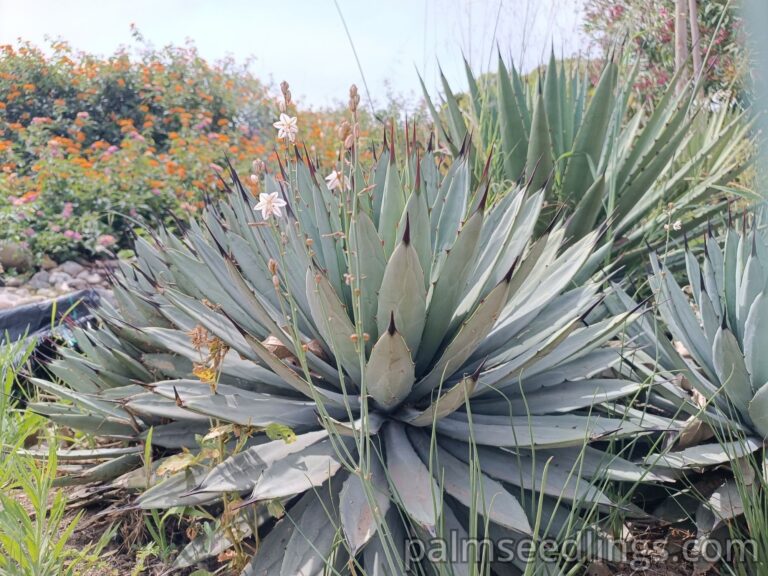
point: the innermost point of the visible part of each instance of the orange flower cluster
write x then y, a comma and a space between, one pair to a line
92, 148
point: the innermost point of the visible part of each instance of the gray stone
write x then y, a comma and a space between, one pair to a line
93, 279
15, 255
59, 277
39, 280
78, 284
14, 282
71, 268
8, 300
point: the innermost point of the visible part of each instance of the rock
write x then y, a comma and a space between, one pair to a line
47, 293
47, 263
59, 277
71, 268
8, 300
39, 280
14, 282
15, 255
93, 279
78, 284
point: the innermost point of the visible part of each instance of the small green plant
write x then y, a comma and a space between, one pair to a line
35, 531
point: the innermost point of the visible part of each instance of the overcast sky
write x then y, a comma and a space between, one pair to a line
304, 41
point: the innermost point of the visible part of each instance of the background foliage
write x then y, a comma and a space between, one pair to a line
90, 146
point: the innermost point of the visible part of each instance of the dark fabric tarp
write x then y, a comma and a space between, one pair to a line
37, 319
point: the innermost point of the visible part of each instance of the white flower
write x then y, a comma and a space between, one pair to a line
269, 204
287, 127
677, 225
336, 180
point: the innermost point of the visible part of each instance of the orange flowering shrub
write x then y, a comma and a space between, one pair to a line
93, 148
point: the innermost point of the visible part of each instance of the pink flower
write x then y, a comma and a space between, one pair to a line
29, 232
72, 235
112, 149
106, 240
40, 120
156, 191
67, 211
55, 228
83, 115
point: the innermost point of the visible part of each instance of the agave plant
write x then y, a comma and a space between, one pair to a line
599, 153
711, 371
390, 360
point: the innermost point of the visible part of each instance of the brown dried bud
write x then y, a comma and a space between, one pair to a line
284, 87
272, 266
354, 98
353, 337
258, 166
344, 129
276, 281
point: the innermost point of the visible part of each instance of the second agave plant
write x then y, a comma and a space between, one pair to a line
387, 359
598, 152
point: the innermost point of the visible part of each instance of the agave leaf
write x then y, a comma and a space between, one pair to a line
82, 454
393, 204
358, 518
310, 544
330, 316
240, 472
588, 144
492, 501
524, 470
758, 410
466, 340
271, 554
174, 490
514, 136
297, 472
752, 284
756, 341
679, 316
411, 483
403, 294
387, 559
448, 212
210, 543
87, 402
539, 163
725, 504
252, 409
447, 403
455, 117
705, 455
447, 291
367, 264
353, 429
389, 374
587, 210
533, 431
293, 378
563, 398
436, 120
731, 369
416, 214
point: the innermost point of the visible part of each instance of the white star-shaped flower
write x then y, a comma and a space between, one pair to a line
270, 204
336, 180
287, 127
